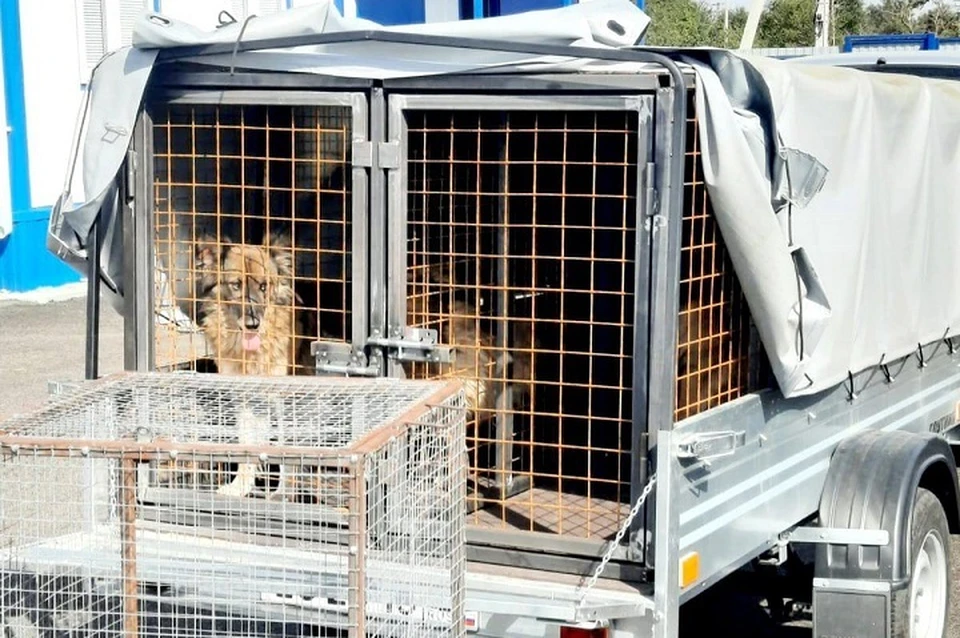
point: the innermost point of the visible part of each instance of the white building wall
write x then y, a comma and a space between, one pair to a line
51, 73
60, 47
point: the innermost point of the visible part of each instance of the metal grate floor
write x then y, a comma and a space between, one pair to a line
548, 511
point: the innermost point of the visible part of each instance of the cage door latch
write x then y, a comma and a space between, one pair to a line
414, 344
342, 359
707, 446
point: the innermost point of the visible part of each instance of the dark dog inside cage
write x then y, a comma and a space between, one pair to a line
531, 217
227, 179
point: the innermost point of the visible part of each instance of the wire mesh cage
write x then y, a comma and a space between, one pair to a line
252, 233
521, 235
521, 252
177, 504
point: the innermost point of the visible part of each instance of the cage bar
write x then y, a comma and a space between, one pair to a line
181, 504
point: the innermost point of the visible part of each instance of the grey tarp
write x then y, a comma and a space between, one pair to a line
832, 188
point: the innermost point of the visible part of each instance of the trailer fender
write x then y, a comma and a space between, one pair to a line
871, 484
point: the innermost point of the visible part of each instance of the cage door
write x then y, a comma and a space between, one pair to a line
259, 230
514, 237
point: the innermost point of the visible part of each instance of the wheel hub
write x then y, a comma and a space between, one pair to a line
928, 589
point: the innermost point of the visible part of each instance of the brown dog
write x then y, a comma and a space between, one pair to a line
250, 321
483, 368
248, 307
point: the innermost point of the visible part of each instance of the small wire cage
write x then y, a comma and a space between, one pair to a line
252, 232
175, 504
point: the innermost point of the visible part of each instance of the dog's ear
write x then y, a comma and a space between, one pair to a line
209, 252
281, 252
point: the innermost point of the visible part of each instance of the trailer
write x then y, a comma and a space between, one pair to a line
697, 326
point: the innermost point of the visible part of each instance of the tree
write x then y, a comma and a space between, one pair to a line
848, 19
941, 17
679, 23
787, 23
893, 16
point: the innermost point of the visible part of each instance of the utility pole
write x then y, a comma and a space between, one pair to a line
821, 27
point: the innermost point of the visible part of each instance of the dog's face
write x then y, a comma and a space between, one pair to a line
243, 281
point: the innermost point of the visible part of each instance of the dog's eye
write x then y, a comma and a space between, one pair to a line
235, 285
263, 287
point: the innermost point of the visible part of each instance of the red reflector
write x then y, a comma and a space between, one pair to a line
578, 632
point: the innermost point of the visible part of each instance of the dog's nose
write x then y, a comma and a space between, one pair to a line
252, 323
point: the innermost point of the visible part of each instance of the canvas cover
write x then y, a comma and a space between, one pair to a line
833, 188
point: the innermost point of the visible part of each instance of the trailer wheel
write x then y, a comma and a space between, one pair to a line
920, 610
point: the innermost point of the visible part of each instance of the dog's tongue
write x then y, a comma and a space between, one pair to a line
251, 341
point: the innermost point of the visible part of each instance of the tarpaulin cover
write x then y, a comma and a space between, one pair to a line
833, 188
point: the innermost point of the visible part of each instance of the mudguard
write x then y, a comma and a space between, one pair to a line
871, 484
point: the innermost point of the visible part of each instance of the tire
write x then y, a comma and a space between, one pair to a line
921, 609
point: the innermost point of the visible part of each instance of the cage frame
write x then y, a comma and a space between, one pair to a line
505, 546
139, 218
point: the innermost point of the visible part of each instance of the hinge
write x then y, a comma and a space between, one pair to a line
706, 446
131, 172
389, 155
651, 203
384, 155
342, 359
361, 154
414, 344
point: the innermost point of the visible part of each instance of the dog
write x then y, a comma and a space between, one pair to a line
248, 316
484, 369
247, 307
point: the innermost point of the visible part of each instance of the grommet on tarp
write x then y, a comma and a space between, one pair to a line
923, 361
851, 392
885, 369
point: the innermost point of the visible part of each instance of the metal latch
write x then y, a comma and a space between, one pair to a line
415, 344
384, 155
706, 446
342, 359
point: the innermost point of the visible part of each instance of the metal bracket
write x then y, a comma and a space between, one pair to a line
706, 446
56, 388
837, 536
342, 359
415, 344
381, 154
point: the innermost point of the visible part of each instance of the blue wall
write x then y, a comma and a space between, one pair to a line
25, 262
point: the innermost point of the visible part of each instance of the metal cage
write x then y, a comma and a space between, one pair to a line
172, 504
496, 230
258, 216
520, 249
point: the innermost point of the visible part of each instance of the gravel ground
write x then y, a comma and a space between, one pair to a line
44, 342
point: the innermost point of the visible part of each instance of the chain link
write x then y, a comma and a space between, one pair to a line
616, 541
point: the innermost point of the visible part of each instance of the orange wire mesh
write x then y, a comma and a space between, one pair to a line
252, 227
521, 239
713, 357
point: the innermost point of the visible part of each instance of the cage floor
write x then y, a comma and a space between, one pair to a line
548, 511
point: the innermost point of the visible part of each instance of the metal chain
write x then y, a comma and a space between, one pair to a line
616, 541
